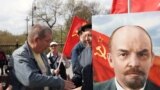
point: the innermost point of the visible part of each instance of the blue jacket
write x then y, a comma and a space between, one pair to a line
85, 60
26, 75
77, 75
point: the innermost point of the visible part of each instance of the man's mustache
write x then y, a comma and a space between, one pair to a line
134, 71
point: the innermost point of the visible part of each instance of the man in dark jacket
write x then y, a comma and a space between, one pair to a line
85, 41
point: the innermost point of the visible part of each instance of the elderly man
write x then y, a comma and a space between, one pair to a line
31, 70
131, 57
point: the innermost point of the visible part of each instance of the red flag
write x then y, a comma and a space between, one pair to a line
121, 6
101, 69
72, 37
154, 74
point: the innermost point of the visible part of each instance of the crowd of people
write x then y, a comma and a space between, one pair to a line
32, 69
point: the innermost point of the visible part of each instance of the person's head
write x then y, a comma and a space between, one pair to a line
54, 47
85, 34
131, 56
39, 38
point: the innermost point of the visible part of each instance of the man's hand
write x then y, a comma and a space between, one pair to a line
78, 88
8, 88
56, 71
68, 85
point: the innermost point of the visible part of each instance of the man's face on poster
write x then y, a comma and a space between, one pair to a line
131, 57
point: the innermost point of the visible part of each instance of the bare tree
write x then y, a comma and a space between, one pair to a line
82, 9
48, 11
69, 8
52, 12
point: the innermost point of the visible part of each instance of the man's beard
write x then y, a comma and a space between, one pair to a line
135, 78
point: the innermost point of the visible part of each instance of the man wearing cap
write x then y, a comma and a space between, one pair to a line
76, 57
54, 58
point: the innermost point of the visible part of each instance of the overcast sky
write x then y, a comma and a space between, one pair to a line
14, 12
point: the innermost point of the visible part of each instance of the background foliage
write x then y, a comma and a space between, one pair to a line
57, 14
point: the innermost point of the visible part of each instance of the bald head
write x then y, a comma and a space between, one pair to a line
128, 33
130, 55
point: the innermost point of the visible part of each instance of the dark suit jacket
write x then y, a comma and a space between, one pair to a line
110, 85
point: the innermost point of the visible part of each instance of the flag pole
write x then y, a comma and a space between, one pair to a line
60, 61
129, 6
61, 58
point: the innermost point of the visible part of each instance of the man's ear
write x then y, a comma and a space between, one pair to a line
110, 61
36, 39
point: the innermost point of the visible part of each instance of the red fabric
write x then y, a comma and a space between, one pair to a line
101, 69
154, 74
2, 56
121, 6
72, 37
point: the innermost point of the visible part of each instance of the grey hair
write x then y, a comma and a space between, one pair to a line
38, 31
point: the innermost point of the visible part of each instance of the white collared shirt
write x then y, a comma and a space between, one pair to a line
118, 86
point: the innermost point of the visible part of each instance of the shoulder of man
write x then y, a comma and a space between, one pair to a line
22, 54
151, 86
21, 50
79, 45
77, 49
105, 85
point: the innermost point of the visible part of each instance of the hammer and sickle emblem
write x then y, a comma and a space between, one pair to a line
101, 51
75, 33
84, 23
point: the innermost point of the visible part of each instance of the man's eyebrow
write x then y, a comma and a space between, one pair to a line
123, 50
143, 51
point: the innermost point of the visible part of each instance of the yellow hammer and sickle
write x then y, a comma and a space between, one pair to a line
75, 33
84, 23
101, 51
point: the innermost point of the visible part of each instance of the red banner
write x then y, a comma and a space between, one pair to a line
101, 69
72, 37
154, 74
121, 6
